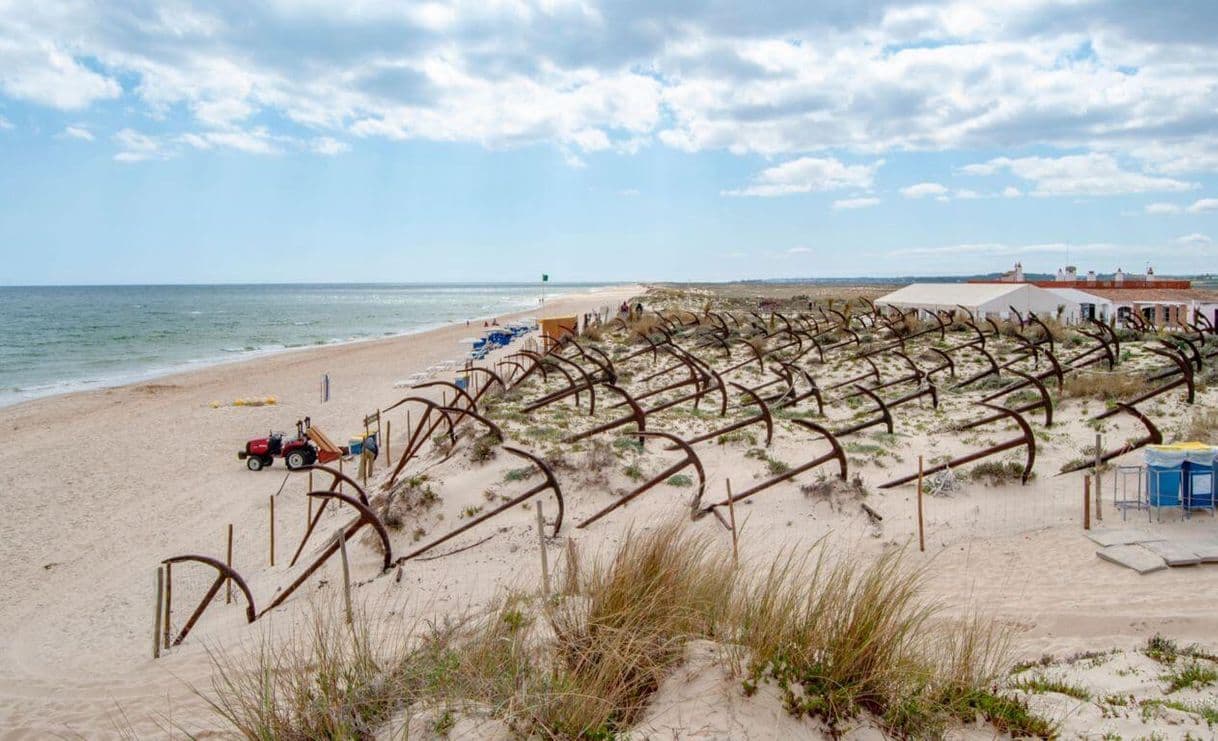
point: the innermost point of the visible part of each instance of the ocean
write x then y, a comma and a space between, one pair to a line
67, 338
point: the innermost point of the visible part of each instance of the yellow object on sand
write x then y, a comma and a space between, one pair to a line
1182, 447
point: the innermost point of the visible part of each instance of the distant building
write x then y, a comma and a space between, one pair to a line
1163, 303
994, 300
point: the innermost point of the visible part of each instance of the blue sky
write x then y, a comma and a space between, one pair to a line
498, 139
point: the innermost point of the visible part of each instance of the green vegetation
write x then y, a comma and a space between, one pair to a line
839, 640
1040, 684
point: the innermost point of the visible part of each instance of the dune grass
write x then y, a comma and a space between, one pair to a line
840, 639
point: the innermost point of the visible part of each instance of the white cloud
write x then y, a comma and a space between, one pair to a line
965, 194
1092, 174
1204, 205
1003, 249
1011, 192
1162, 208
137, 147
77, 132
851, 203
1194, 240
808, 175
254, 141
628, 192
923, 190
787, 80
5, 123
801, 250
329, 146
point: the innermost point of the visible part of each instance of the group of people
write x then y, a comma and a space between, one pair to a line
628, 313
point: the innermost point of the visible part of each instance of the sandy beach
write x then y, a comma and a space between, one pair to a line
101, 485
105, 484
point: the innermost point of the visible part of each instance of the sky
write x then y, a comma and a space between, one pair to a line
359, 140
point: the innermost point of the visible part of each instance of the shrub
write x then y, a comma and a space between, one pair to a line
483, 448
998, 473
1114, 386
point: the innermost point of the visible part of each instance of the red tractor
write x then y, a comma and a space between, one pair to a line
296, 452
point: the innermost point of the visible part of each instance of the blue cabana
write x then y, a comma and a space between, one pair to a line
1181, 475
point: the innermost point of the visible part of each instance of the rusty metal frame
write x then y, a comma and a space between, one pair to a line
417, 436
836, 453
762, 416
1027, 439
1153, 437
885, 417
1186, 379
992, 371
637, 415
366, 517
225, 573
550, 483
691, 458
1045, 402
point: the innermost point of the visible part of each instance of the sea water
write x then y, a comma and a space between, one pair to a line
67, 338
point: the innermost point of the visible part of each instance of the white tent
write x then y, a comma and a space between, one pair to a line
982, 299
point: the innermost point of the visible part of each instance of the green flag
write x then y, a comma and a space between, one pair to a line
545, 277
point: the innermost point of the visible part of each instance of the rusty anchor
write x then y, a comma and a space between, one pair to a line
691, 459
1026, 439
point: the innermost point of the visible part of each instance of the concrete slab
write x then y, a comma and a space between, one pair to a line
1134, 557
1205, 548
1173, 552
1120, 536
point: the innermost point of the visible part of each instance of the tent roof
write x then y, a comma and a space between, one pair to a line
970, 295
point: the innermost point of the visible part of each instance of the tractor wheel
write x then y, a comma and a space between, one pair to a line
253, 463
296, 459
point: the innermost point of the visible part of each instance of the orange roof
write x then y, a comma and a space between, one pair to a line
1153, 294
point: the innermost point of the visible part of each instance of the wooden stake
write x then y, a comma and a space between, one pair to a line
272, 531
309, 512
541, 542
168, 603
921, 527
1099, 447
731, 511
160, 597
228, 583
1086, 502
340, 470
342, 548
388, 434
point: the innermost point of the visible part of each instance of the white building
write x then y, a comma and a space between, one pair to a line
983, 300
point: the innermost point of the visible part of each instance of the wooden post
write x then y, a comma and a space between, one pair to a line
1099, 451
272, 531
388, 434
342, 548
731, 512
309, 512
228, 583
168, 603
921, 527
541, 541
340, 470
1087, 503
160, 597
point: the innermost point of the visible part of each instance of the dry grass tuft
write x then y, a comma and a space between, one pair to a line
839, 639
1103, 386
